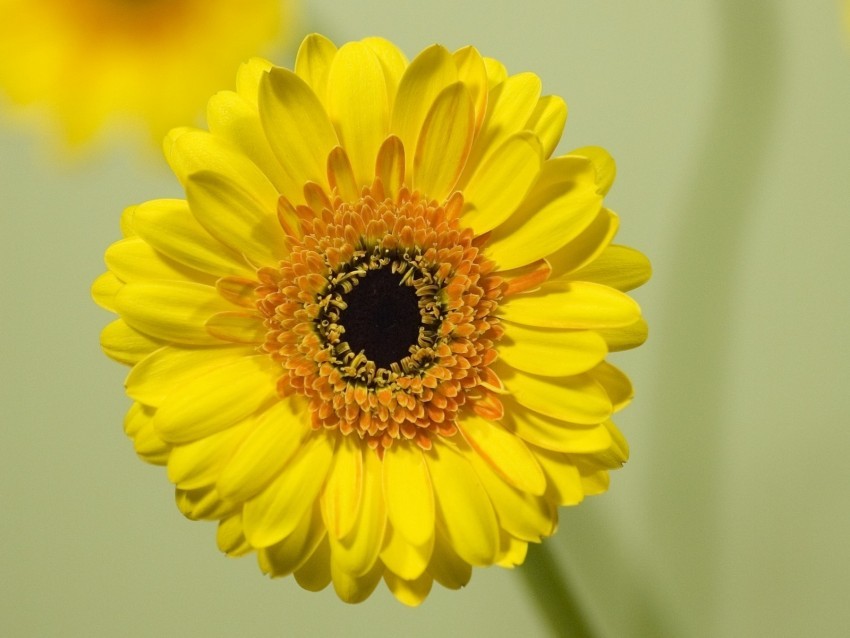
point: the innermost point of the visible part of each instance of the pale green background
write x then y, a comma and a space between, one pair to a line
729, 123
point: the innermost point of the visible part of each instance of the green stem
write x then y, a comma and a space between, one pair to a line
553, 594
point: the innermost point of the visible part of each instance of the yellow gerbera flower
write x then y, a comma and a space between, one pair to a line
372, 342
156, 60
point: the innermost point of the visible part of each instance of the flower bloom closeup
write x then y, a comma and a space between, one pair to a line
156, 61
371, 342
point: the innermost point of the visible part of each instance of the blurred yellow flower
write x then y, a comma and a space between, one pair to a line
372, 341
152, 60
847, 14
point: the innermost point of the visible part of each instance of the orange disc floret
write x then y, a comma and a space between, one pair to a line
383, 316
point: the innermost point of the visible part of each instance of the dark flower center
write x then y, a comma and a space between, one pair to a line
382, 317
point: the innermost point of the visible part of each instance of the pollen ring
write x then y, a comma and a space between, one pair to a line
381, 315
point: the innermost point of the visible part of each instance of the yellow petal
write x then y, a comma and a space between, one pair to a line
288, 555
203, 504
315, 573
174, 160
218, 399
501, 182
237, 327
132, 259
504, 452
355, 589
527, 278
527, 516
579, 398
409, 592
278, 433
509, 106
565, 485
240, 291
603, 163
571, 304
627, 337
616, 384
170, 368
444, 142
595, 483
408, 493
344, 488
593, 472
126, 221
403, 559
171, 310
447, 568
586, 246
150, 447
361, 122
496, 72
473, 73
296, 125
547, 121
199, 463
389, 166
393, 62
138, 425
341, 175
104, 289
313, 62
620, 267
125, 344
558, 207
276, 511
191, 151
230, 197
554, 434
550, 352
229, 537
169, 226
235, 119
428, 74
611, 458
240, 214
248, 79
358, 552
619, 449
463, 506
512, 551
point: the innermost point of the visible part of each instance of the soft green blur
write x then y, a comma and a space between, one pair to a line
729, 122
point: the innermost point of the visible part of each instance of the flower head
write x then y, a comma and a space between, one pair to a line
371, 343
155, 60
